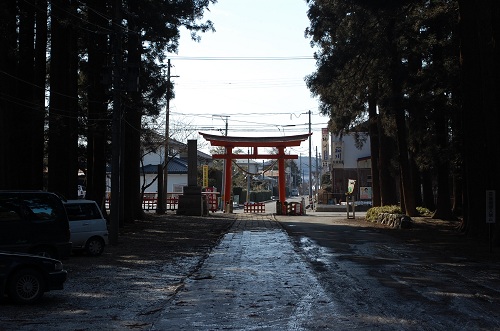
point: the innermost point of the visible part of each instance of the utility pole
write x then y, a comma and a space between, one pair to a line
223, 162
310, 161
162, 205
116, 194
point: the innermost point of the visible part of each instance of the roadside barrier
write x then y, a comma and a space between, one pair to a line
294, 208
257, 207
150, 202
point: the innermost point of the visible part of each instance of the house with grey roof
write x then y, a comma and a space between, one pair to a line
154, 155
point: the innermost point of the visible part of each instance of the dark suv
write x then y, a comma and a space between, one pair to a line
34, 222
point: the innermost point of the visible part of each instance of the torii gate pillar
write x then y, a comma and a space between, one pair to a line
277, 142
228, 181
281, 174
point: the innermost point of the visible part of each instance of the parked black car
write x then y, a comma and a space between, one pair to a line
25, 278
34, 222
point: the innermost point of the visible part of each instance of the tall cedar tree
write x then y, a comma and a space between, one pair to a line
63, 107
132, 125
9, 127
406, 56
350, 73
98, 77
432, 52
158, 24
397, 110
25, 96
22, 101
40, 82
480, 69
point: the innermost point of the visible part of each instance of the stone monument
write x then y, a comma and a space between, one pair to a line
191, 202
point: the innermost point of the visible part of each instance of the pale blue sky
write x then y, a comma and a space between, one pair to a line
260, 97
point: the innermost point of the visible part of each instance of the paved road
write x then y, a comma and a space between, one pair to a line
382, 282
322, 272
254, 280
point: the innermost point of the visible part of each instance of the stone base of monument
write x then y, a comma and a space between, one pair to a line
192, 203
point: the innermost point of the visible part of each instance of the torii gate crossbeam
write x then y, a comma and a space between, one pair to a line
230, 142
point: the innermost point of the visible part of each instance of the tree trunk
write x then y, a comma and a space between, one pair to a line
23, 164
63, 111
443, 206
40, 80
442, 132
404, 164
416, 179
97, 132
8, 54
133, 115
427, 190
416, 120
374, 148
457, 207
480, 115
388, 183
399, 115
402, 202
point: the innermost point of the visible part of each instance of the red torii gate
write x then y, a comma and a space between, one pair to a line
280, 142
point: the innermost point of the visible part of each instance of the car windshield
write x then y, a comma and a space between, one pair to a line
82, 211
40, 208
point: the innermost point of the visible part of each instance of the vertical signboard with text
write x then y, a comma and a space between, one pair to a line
325, 135
205, 175
338, 154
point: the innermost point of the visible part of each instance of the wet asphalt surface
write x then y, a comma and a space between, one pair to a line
253, 280
323, 272
381, 282
315, 272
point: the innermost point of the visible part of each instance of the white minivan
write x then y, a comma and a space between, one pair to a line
89, 230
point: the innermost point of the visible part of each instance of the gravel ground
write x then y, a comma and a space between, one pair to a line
127, 286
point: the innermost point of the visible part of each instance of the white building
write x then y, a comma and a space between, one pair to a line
177, 166
348, 162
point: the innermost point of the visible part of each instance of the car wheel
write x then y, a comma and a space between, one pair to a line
94, 246
26, 286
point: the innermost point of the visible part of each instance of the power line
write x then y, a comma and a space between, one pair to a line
245, 114
243, 58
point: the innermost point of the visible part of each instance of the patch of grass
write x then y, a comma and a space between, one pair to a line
373, 213
424, 211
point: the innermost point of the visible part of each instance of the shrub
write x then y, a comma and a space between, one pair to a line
373, 213
422, 211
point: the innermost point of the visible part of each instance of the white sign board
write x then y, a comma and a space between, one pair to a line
350, 186
490, 206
